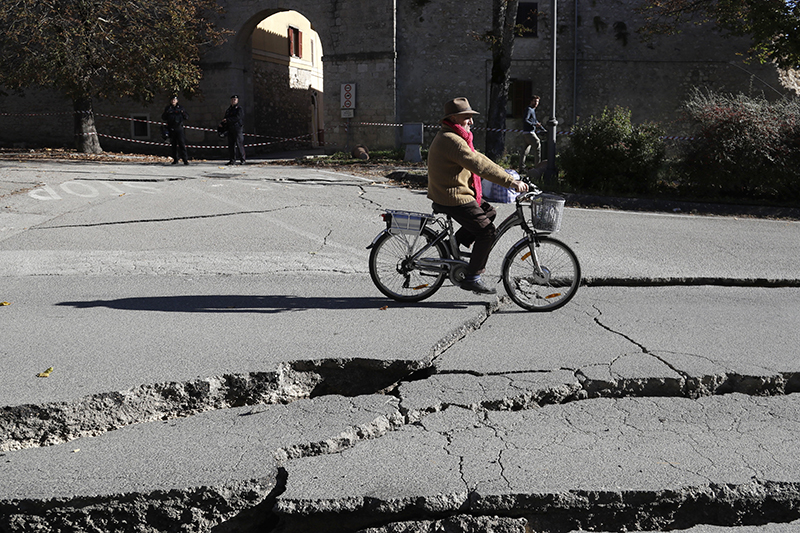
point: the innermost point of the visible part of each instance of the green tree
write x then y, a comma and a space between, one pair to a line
773, 25
111, 49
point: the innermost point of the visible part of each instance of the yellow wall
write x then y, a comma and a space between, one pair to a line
271, 44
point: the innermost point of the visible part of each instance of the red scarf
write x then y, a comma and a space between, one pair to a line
475, 180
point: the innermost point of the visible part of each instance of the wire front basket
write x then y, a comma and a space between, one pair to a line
546, 212
407, 222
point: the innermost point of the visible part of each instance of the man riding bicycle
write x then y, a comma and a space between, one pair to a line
455, 170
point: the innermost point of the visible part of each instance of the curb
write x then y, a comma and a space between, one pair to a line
681, 207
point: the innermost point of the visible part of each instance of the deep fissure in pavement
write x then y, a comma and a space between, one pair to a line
686, 386
752, 503
248, 505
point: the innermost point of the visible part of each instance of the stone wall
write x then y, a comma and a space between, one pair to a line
601, 62
35, 118
280, 112
440, 58
408, 57
358, 40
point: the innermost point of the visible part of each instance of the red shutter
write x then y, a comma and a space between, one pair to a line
291, 41
299, 43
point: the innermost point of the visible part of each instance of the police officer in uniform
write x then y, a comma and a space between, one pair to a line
174, 115
234, 123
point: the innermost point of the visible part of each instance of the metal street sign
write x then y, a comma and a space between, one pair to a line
348, 96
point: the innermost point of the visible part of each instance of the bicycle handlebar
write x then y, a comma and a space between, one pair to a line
528, 195
532, 188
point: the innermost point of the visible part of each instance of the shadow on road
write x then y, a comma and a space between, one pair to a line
252, 304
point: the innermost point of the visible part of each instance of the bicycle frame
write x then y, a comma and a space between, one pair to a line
410, 260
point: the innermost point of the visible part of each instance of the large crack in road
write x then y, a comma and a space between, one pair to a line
417, 396
524, 446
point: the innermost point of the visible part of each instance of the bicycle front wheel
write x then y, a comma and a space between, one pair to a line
544, 281
396, 275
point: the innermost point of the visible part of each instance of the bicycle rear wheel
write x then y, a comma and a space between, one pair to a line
393, 273
548, 287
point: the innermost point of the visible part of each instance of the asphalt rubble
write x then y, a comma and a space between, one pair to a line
653, 440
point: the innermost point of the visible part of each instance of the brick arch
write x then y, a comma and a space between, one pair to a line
358, 40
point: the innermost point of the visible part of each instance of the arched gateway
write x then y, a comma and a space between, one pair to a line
359, 49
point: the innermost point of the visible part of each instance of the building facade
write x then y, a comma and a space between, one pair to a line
288, 88
389, 62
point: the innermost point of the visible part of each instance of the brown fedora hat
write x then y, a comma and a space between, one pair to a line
458, 106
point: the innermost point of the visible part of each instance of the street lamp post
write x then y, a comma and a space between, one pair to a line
551, 174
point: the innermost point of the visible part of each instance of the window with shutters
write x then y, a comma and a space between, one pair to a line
295, 42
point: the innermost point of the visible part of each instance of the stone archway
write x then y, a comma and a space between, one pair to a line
359, 47
288, 84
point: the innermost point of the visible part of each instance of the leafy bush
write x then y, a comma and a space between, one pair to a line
608, 154
744, 147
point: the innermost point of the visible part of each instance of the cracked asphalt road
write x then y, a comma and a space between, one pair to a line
222, 362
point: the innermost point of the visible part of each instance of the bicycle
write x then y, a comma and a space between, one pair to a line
410, 259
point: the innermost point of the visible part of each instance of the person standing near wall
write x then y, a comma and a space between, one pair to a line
174, 115
234, 123
531, 140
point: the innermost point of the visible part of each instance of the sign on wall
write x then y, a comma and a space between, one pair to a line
348, 96
348, 99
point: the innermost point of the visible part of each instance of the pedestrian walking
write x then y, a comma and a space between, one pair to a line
530, 126
234, 124
175, 115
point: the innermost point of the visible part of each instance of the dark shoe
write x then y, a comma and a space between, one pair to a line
175, 162
231, 162
242, 162
185, 162
477, 287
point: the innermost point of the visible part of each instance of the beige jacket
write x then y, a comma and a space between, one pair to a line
451, 163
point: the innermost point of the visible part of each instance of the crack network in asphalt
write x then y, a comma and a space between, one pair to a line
44, 425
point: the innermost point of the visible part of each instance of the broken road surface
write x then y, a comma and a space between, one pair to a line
221, 362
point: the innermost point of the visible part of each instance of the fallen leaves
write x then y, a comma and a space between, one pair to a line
45, 374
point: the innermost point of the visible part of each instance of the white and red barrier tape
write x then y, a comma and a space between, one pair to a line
36, 114
279, 139
225, 146
479, 128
